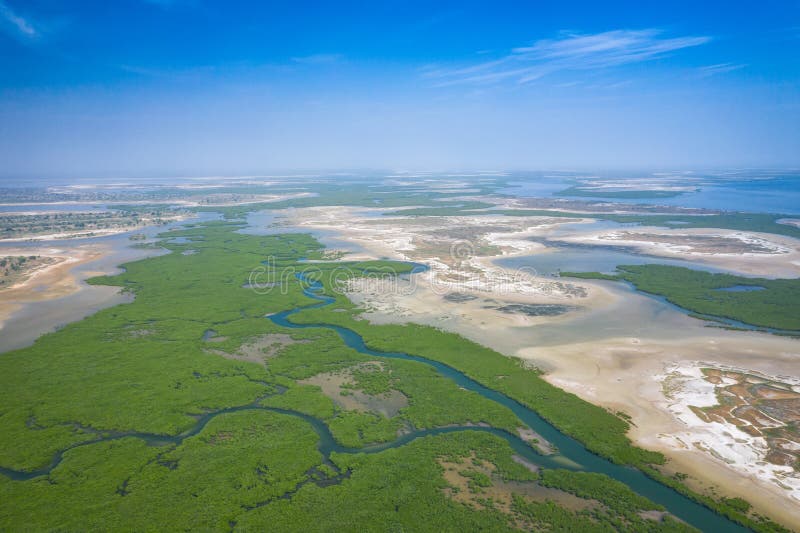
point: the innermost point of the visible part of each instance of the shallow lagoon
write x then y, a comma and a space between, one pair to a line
591, 259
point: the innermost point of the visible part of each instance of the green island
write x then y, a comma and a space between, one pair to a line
204, 404
768, 303
83, 224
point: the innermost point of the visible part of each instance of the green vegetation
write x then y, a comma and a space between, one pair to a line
775, 305
399, 489
601, 431
590, 275
549, 516
619, 508
433, 400
477, 480
738, 504
372, 382
151, 425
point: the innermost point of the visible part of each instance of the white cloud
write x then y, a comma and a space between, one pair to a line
18, 25
571, 51
719, 68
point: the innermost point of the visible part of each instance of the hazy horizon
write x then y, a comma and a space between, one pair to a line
590, 173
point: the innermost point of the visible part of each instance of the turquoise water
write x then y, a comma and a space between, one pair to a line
777, 195
591, 259
755, 191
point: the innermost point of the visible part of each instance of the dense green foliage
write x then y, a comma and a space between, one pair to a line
776, 303
152, 426
620, 509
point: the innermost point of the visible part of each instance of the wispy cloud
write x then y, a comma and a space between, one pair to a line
15, 24
719, 68
319, 59
570, 51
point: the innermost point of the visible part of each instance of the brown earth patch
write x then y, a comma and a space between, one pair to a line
337, 386
476, 484
760, 407
258, 349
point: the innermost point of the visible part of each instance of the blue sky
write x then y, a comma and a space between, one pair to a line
200, 87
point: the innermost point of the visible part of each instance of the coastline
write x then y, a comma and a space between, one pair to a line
49, 282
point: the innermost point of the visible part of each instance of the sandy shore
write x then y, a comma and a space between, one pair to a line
627, 374
52, 281
751, 253
458, 250
70, 235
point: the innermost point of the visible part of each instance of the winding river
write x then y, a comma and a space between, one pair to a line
571, 454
